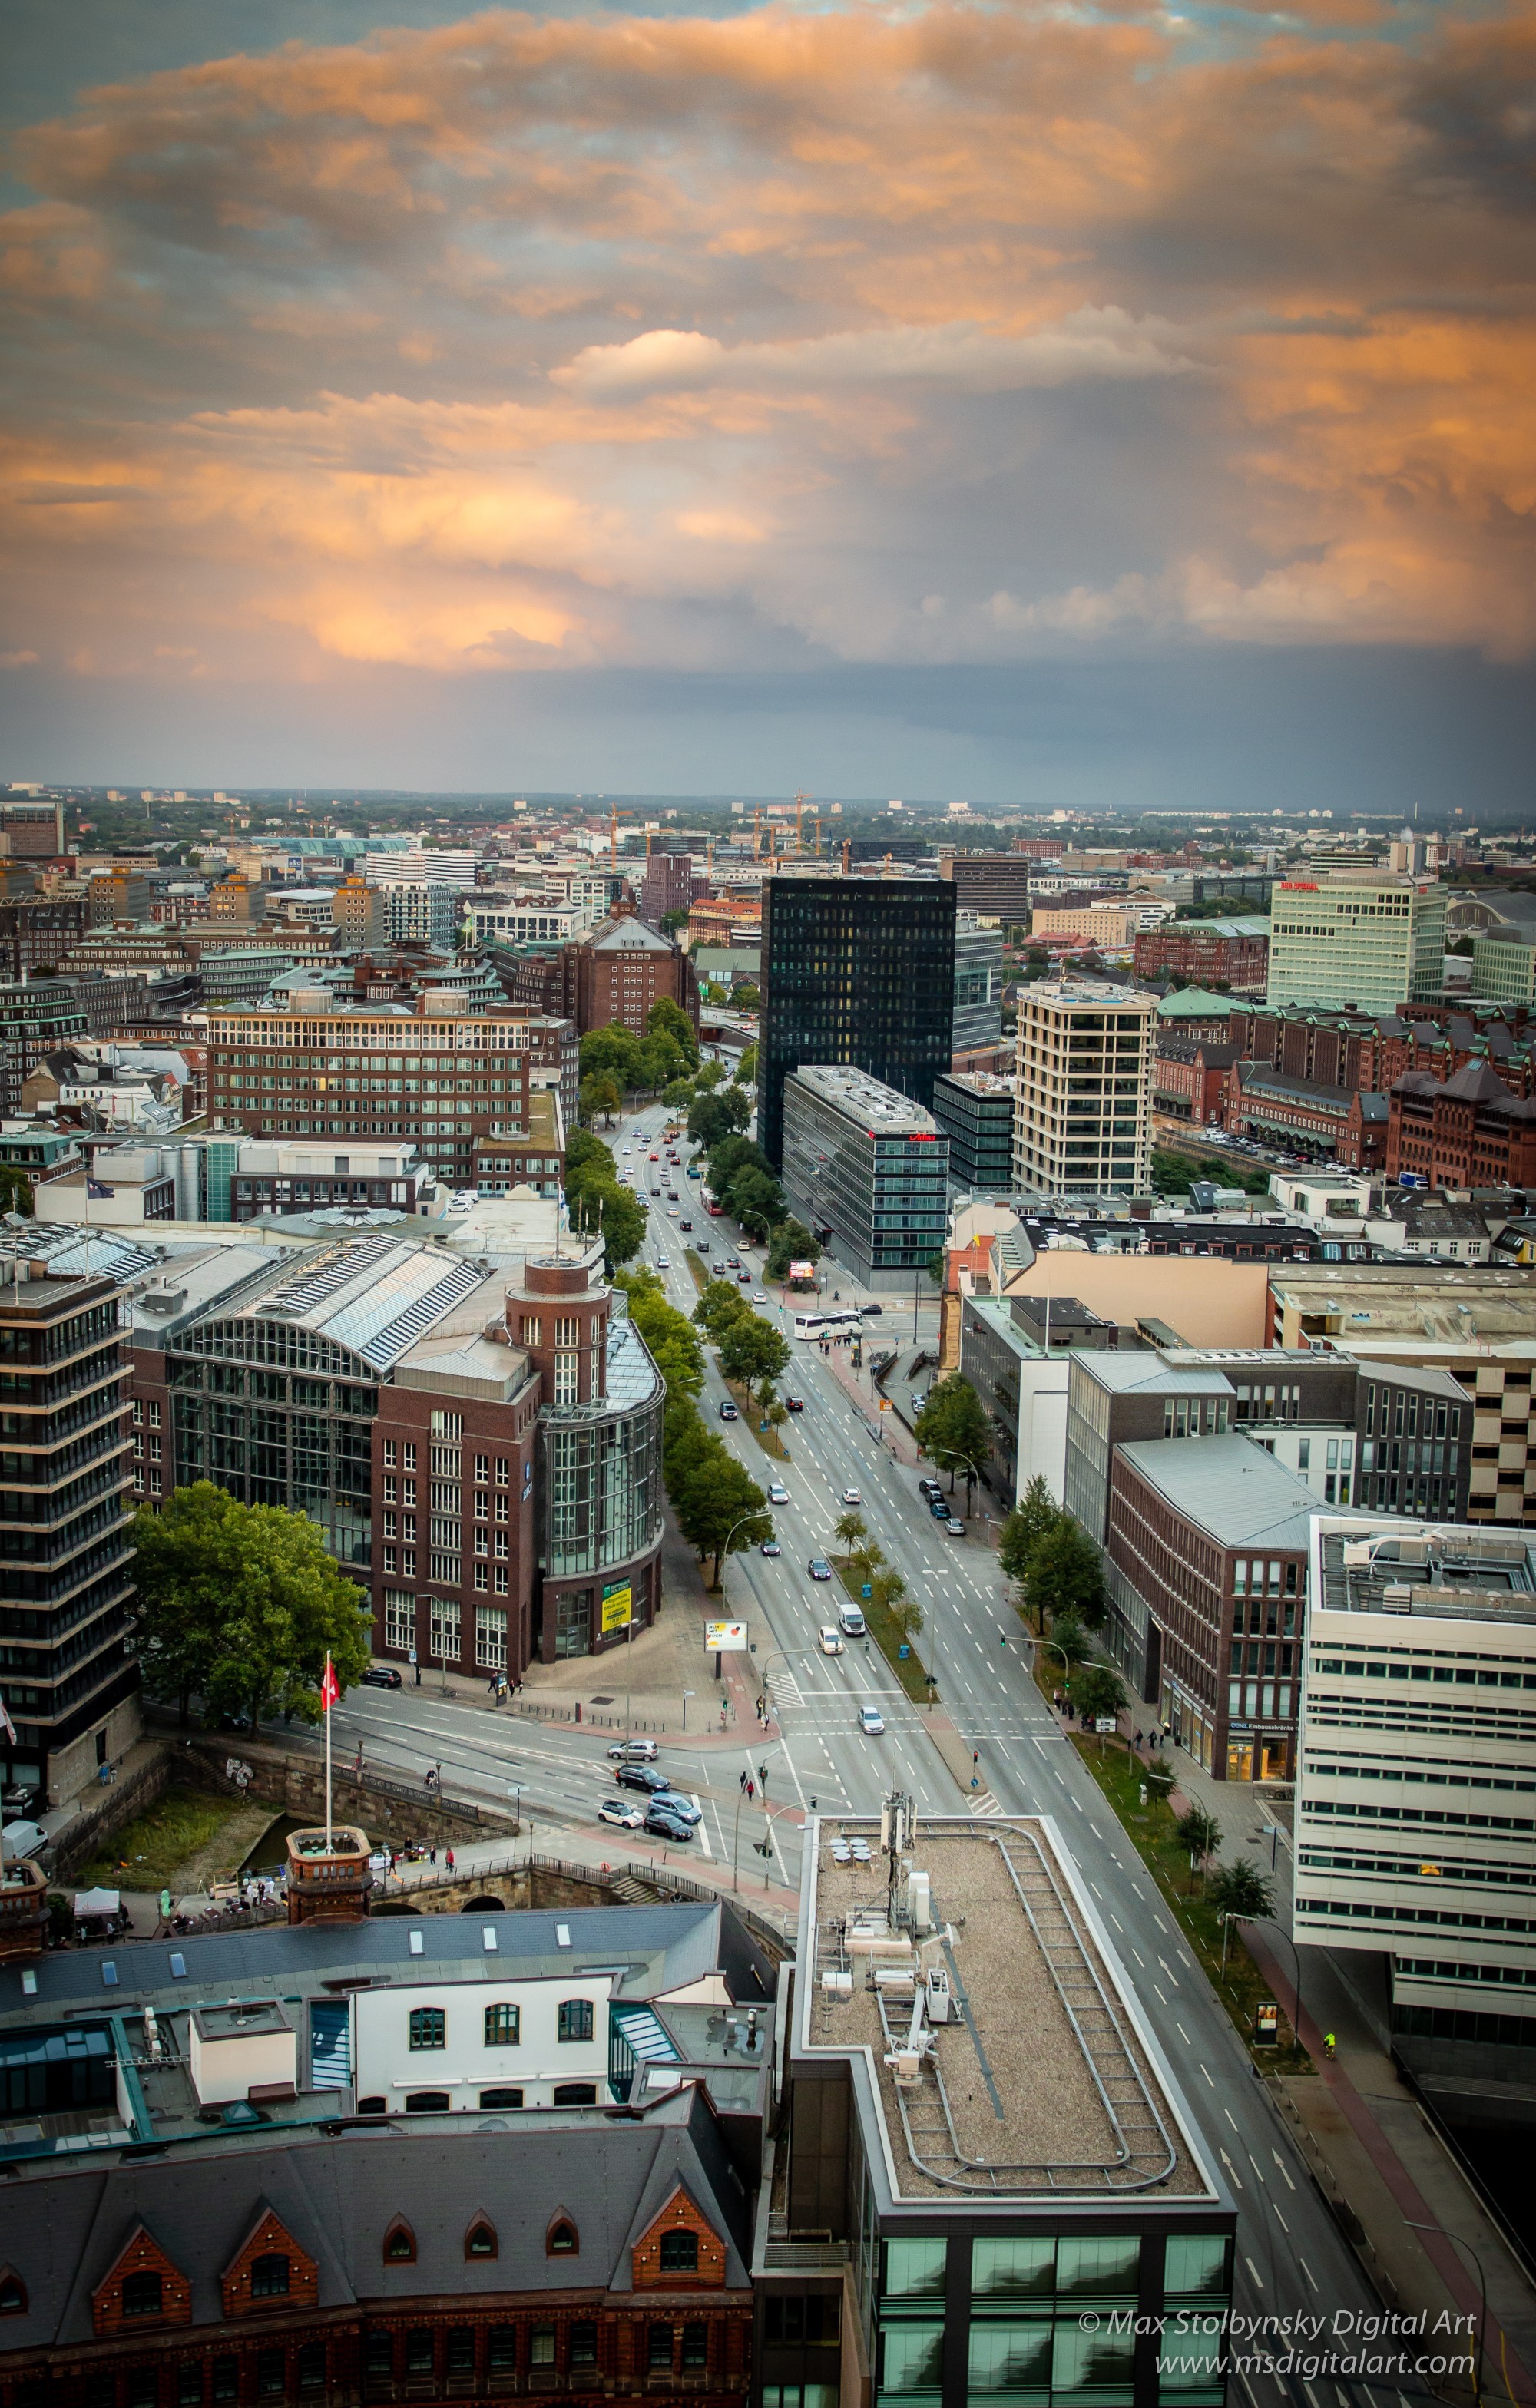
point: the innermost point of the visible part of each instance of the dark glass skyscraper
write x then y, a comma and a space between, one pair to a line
857, 970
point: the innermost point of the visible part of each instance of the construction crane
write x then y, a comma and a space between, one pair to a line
613, 837
801, 802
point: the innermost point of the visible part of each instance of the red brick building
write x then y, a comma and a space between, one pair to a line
1189, 1080
614, 976
1466, 1131
1206, 1566
1202, 951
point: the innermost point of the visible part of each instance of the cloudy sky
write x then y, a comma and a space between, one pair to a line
1014, 398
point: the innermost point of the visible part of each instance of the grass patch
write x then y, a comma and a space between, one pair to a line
1119, 1774
698, 1267
147, 1852
883, 1629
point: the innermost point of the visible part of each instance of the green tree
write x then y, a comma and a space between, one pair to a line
953, 1430
1200, 1832
756, 1200
851, 1527
607, 1209
1098, 1690
768, 1405
866, 1559
670, 1334
744, 997
746, 1070
670, 921
240, 1603
1064, 1575
751, 1349
599, 1095
614, 1051
710, 1500
678, 1095
1070, 1640
709, 1122
15, 1191
738, 1104
662, 1059
1036, 1512
667, 1019
1241, 1888
587, 1155
710, 1074
791, 1241
720, 1305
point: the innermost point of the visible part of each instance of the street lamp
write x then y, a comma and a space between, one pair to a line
1482, 2295
955, 1454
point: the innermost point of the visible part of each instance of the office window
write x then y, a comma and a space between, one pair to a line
428, 2027
503, 2026
574, 2019
659, 2350
914, 2269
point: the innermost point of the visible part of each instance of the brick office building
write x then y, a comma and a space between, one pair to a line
1189, 1077
435, 1069
616, 974
1202, 951
1206, 1566
481, 1452
1467, 1131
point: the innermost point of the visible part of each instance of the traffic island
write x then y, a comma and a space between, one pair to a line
885, 1630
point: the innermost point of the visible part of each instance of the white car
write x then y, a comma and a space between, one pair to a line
778, 1493
620, 1812
871, 1722
852, 1495
829, 1640
671, 1212
633, 1751
758, 1297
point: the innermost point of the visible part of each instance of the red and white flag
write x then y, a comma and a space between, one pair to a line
328, 1689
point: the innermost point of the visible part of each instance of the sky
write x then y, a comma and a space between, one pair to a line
1019, 400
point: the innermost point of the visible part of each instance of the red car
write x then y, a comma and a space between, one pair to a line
655, 1157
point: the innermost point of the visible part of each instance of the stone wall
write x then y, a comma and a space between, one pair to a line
391, 1813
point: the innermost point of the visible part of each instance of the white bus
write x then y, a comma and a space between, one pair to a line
830, 1323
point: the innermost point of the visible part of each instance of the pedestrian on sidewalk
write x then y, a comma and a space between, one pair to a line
491, 1688
752, 1791
449, 1859
431, 1854
741, 1781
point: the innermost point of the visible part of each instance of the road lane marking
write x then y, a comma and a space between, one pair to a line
1254, 2271
1183, 2034
1306, 2270
1284, 2167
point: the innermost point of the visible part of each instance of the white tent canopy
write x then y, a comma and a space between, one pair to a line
96, 1901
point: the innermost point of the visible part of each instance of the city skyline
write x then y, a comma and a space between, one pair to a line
1006, 406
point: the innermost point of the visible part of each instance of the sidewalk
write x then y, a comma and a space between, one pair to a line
1372, 2150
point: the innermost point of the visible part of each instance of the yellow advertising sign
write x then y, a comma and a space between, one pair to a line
617, 1606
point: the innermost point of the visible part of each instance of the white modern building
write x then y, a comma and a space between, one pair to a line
1083, 1075
419, 866
1416, 1797
1357, 940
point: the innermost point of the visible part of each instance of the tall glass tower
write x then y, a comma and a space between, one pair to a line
854, 970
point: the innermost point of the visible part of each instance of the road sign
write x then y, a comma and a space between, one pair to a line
1106, 1723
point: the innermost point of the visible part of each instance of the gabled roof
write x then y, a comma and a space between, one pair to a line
629, 936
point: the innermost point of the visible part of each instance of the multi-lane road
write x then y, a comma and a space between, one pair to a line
1291, 2260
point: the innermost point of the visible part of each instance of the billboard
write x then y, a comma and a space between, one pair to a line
802, 1270
617, 1607
725, 1638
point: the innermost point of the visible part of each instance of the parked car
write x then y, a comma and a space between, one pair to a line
728, 1412
663, 1824
819, 1568
23, 1840
917, 1403
382, 1676
930, 1489
632, 1751
871, 1722
620, 1812
794, 1404
829, 1640
851, 1623
939, 1508
641, 1776
955, 1527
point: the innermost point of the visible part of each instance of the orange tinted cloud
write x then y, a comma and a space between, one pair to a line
939, 335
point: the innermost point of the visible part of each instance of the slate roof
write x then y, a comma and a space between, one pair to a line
1228, 1488
337, 2197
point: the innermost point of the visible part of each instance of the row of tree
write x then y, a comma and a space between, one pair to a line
719, 1508
600, 1204
743, 1181
865, 1561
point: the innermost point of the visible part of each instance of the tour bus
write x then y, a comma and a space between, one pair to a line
710, 1204
828, 1324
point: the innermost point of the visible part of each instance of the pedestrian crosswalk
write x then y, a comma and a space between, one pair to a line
786, 1690
985, 1802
